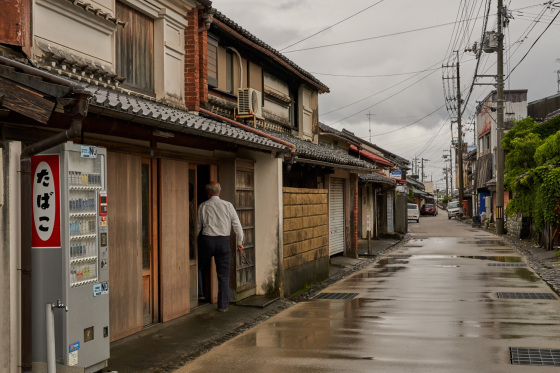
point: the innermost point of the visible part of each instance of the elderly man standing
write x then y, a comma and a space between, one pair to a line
216, 217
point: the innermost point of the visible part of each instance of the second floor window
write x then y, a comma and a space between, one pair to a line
229, 71
134, 49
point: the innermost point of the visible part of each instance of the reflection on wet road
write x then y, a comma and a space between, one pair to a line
431, 307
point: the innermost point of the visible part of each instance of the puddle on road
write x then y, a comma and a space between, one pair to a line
388, 261
522, 273
486, 242
503, 259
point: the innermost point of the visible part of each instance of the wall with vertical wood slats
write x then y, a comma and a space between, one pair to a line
125, 244
174, 239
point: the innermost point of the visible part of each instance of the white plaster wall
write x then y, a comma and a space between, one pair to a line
276, 109
169, 51
276, 84
9, 259
71, 28
268, 220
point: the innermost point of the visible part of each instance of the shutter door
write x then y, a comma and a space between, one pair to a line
390, 221
336, 216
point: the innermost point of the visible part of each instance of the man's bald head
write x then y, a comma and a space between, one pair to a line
213, 189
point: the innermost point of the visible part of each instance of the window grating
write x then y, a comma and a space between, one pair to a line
534, 356
548, 296
507, 265
336, 296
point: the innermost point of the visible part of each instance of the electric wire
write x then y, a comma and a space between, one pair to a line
373, 37
331, 26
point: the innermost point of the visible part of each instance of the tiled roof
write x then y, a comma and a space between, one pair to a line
377, 178
402, 162
372, 157
415, 183
97, 11
309, 150
169, 118
234, 26
122, 105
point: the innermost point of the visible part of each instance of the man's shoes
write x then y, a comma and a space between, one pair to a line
222, 309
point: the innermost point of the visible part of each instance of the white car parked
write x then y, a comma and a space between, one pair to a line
413, 212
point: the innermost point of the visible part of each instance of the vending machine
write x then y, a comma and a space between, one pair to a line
70, 256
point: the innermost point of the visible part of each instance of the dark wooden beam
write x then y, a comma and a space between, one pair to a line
25, 102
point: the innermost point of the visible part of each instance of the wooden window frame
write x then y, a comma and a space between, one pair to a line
213, 81
124, 68
230, 75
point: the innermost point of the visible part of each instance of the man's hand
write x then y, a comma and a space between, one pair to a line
240, 248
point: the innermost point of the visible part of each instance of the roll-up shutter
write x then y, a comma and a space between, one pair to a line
390, 212
336, 216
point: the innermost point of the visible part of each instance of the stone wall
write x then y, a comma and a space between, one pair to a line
518, 226
306, 237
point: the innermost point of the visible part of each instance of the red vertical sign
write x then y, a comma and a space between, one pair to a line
45, 199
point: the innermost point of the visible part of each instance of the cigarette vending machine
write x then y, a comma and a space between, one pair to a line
70, 256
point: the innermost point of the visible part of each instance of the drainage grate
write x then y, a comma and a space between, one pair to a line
336, 296
399, 256
498, 250
534, 356
507, 265
548, 296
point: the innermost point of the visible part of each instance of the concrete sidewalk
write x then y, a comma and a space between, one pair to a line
168, 346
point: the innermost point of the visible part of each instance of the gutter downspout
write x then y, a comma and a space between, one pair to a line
250, 129
77, 112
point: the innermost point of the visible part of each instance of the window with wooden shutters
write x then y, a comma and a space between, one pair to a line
134, 49
212, 62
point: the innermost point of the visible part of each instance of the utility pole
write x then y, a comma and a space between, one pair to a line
451, 170
460, 135
500, 127
369, 114
427, 160
446, 182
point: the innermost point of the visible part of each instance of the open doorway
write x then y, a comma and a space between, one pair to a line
199, 176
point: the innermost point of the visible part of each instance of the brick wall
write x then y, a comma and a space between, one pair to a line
306, 229
192, 61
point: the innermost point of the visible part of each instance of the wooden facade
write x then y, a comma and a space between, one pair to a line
125, 231
174, 238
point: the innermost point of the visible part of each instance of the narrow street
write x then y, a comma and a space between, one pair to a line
434, 304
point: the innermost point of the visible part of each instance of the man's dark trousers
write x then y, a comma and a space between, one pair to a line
217, 247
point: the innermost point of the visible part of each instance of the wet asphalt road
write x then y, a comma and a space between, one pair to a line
429, 306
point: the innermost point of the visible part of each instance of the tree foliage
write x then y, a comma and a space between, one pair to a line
533, 169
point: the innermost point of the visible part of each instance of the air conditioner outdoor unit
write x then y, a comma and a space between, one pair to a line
249, 102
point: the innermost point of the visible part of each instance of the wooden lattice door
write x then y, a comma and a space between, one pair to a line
245, 206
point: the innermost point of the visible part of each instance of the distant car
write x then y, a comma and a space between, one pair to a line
428, 209
413, 212
454, 210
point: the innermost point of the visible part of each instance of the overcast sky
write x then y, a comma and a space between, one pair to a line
396, 74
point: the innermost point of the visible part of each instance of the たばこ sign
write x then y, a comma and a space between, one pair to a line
45, 199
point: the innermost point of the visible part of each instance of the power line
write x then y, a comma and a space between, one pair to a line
379, 102
375, 37
532, 45
410, 124
374, 76
379, 92
331, 26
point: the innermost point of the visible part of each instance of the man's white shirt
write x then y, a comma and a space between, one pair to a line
216, 217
